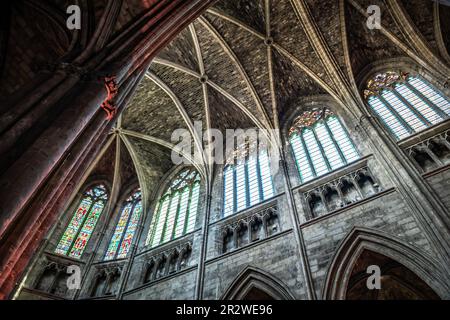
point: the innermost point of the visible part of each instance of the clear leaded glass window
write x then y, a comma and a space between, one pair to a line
247, 180
176, 211
76, 236
406, 104
320, 143
123, 235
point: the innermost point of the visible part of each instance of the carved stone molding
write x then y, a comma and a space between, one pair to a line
340, 192
167, 262
246, 229
431, 153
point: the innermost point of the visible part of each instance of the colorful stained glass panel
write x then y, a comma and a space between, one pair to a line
131, 229
86, 232
74, 225
118, 232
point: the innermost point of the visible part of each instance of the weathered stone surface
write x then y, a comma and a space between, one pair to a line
238, 72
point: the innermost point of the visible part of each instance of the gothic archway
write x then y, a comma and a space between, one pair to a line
405, 272
256, 284
397, 281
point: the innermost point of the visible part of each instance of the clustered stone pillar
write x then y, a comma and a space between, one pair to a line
65, 126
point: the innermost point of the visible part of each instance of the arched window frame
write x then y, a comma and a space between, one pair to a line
180, 200
338, 138
123, 235
75, 230
260, 176
387, 83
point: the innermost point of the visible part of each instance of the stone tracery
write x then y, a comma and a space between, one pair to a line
257, 74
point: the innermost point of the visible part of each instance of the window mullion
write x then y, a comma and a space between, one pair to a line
81, 226
427, 101
156, 219
295, 158
124, 229
259, 178
322, 151
158, 216
384, 121
226, 179
176, 216
246, 182
234, 189
338, 148
311, 165
350, 140
397, 115
163, 233
411, 107
188, 210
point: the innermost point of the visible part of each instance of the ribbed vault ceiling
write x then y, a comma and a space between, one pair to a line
246, 63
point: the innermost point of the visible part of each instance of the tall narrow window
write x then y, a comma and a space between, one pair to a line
176, 211
76, 236
126, 227
406, 104
247, 180
320, 143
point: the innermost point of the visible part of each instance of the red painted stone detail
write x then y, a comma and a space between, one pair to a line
108, 105
63, 170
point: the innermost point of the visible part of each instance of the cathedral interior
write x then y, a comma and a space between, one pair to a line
353, 96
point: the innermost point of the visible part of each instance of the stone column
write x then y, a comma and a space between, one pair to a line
37, 183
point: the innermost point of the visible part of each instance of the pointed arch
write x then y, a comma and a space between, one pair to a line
127, 222
80, 229
176, 210
319, 140
405, 100
360, 239
252, 278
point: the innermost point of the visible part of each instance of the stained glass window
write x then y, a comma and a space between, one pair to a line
247, 181
320, 143
176, 211
406, 104
122, 238
80, 229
